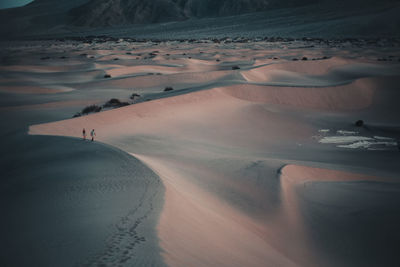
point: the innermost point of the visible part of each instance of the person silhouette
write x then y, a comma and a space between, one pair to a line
92, 134
84, 134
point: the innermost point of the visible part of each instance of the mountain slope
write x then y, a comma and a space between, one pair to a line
203, 18
116, 12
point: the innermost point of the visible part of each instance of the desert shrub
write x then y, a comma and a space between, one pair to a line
107, 76
168, 89
114, 102
235, 67
90, 109
359, 123
304, 58
134, 95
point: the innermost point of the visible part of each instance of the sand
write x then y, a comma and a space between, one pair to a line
238, 150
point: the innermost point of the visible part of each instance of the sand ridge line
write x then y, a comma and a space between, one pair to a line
195, 224
294, 176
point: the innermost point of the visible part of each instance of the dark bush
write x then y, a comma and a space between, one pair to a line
359, 123
304, 58
115, 103
90, 109
107, 76
235, 67
77, 115
168, 89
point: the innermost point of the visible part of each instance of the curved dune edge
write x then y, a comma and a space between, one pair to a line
309, 67
33, 90
294, 176
298, 174
197, 229
51, 105
319, 73
131, 70
143, 81
357, 95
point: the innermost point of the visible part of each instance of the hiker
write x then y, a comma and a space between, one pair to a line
92, 134
84, 134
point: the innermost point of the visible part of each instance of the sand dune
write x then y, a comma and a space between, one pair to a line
227, 237
246, 181
356, 95
317, 74
122, 71
210, 226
